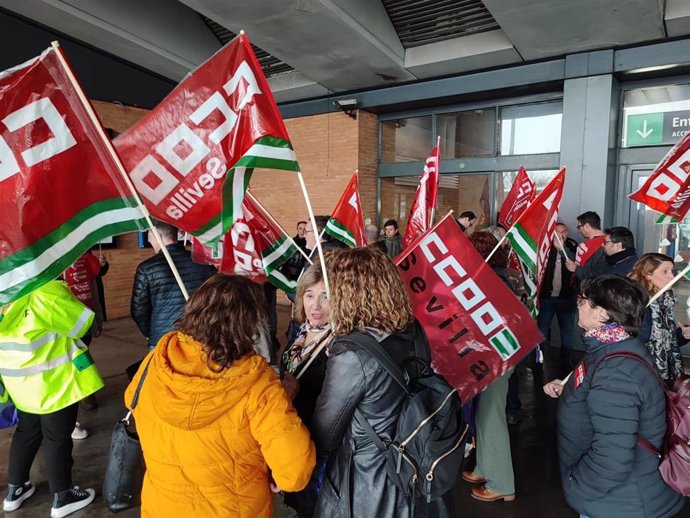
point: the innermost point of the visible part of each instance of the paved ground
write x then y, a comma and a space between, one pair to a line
533, 443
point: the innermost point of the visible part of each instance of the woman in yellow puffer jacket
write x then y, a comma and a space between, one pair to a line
216, 426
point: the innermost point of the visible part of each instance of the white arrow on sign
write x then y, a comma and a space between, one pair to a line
645, 132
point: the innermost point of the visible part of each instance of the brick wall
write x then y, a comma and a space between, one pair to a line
329, 148
124, 258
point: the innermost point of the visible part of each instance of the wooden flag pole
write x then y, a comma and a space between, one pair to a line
438, 174
120, 167
560, 243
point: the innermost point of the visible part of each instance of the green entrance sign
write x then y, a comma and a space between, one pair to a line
645, 129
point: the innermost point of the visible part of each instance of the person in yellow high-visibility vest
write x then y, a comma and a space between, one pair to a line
46, 370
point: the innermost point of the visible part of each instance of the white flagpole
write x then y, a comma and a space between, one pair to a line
116, 159
668, 286
560, 243
315, 229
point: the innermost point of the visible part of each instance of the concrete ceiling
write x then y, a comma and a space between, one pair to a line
335, 46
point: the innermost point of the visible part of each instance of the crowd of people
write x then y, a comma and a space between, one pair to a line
226, 419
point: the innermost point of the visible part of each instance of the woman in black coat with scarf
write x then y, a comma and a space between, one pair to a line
606, 404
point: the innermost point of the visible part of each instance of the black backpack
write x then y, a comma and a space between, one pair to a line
426, 455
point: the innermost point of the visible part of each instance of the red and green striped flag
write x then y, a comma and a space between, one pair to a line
192, 157
532, 233
256, 247
60, 188
346, 223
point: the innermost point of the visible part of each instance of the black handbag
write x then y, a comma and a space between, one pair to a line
124, 471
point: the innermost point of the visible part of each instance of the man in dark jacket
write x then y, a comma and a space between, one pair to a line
556, 295
157, 300
590, 260
619, 248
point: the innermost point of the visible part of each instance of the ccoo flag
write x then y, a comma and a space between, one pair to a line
256, 247
667, 190
477, 328
424, 199
532, 233
60, 187
191, 158
521, 194
346, 223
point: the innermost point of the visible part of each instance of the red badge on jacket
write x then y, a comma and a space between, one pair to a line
580, 374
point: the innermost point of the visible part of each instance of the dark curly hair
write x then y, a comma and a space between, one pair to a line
623, 299
227, 315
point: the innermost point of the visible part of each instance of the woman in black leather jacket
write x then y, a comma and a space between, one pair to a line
366, 295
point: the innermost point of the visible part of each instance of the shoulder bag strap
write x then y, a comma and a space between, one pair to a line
641, 441
369, 344
135, 399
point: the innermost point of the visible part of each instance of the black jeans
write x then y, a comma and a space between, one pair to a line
56, 428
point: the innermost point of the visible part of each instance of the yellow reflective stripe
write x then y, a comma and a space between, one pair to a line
30, 346
42, 367
83, 318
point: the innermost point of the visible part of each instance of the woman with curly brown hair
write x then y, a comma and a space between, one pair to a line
367, 295
215, 423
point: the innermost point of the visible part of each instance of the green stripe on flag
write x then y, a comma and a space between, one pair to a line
26, 271
524, 246
276, 254
665, 218
281, 282
340, 232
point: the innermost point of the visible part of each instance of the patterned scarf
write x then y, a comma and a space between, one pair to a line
301, 349
608, 333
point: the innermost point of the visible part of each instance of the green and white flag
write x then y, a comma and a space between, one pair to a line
665, 219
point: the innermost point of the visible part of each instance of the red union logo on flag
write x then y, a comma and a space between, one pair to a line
668, 189
521, 194
61, 190
477, 328
222, 117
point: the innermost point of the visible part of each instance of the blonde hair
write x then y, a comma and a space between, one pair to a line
647, 265
366, 291
309, 278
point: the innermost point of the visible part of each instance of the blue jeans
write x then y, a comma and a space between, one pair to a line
564, 310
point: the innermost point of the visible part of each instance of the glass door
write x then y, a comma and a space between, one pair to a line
656, 234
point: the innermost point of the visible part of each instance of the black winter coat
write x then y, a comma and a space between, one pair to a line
355, 484
157, 301
604, 473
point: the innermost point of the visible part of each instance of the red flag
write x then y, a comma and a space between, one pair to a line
60, 188
222, 116
521, 194
531, 235
668, 188
477, 328
424, 199
346, 223
256, 247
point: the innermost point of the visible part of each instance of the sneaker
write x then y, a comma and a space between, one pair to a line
79, 433
67, 502
16, 496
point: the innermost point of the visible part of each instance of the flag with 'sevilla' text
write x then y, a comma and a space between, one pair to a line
476, 326
191, 158
61, 189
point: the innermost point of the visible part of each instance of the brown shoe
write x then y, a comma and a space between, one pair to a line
486, 495
469, 476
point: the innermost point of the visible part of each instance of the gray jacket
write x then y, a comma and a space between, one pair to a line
604, 473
